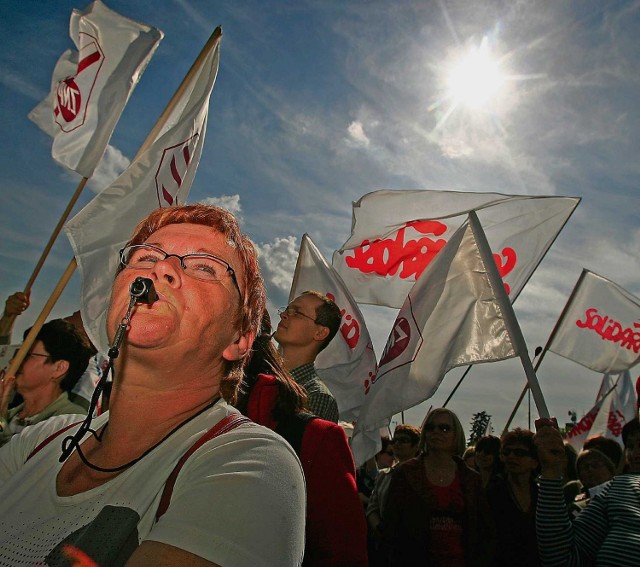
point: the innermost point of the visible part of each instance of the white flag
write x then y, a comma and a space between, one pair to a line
396, 234
451, 317
600, 326
348, 364
578, 435
161, 176
606, 385
91, 86
607, 418
627, 396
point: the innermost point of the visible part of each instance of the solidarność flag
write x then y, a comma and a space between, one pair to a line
91, 86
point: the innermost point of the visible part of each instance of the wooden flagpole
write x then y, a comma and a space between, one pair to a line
35, 329
213, 40
56, 232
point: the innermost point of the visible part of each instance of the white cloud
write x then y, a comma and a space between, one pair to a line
357, 135
111, 166
278, 262
229, 202
20, 84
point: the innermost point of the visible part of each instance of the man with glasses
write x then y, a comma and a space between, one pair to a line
58, 357
307, 325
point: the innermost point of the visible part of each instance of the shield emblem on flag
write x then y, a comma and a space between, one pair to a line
172, 170
404, 344
73, 93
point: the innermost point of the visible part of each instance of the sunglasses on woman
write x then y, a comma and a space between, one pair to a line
444, 427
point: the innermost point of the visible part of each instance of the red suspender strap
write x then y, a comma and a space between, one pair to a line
225, 425
51, 438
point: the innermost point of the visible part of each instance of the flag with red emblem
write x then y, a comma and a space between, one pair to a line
348, 364
91, 86
395, 235
600, 326
453, 316
614, 408
159, 176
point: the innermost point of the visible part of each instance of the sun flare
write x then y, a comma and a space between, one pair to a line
475, 79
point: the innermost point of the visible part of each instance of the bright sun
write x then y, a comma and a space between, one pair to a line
475, 79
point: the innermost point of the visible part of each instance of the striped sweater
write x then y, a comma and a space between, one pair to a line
606, 533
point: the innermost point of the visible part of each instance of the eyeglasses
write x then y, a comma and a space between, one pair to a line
293, 312
37, 354
204, 267
444, 427
517, 452
399, 440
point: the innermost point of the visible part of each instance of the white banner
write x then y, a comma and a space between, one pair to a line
578, 435
395, 235
161, 176
348, 365
600, 328
91, 86
450, 318
610, 414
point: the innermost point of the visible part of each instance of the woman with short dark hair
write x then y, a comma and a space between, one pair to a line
488, 462
513, 502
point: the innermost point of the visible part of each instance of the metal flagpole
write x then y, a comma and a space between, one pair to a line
457, 385
546, 346
511, 323
512, 302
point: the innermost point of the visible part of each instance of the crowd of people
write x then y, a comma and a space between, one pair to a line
219, 448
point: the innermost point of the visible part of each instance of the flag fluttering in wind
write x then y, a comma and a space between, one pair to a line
160, 176
348, 364
600, 326
91, 86
395, 235
453, 316
614, 408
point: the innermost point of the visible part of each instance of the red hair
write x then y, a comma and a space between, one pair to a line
253, 292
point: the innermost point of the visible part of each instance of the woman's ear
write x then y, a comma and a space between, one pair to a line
240, 348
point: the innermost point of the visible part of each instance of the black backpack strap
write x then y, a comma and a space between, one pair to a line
292, 429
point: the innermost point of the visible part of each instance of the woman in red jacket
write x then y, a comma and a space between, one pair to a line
336, 532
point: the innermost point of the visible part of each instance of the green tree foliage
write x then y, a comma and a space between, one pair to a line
479, 423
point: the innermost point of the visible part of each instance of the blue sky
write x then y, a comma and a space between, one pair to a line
319, 102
